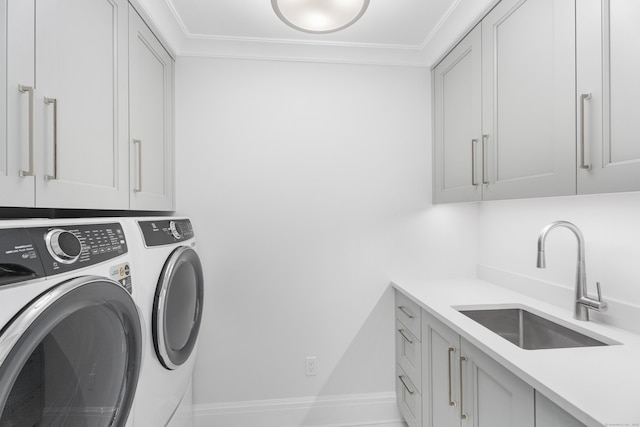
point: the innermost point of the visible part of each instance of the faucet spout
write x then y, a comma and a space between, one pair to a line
582, 302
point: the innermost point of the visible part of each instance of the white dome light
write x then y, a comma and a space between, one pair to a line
319, 16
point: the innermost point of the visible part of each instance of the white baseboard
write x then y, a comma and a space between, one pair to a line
361, 410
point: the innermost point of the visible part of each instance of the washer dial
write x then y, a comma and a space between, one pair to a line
63, 246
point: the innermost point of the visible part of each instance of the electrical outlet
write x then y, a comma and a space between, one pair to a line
310, 366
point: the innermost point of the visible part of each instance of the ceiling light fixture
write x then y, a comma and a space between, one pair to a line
319, 16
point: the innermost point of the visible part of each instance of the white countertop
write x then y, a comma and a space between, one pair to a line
600, 386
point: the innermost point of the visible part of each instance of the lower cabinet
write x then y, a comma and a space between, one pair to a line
408, 360
408, 398
442, 380
463, 386
548, 414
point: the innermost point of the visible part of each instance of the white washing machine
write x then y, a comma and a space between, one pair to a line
170, 276
71, 339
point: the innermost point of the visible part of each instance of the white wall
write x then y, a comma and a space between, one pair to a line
309, 187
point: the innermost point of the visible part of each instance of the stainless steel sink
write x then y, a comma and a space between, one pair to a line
529, 331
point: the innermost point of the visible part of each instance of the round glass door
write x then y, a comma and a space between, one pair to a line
178, 307
71, 358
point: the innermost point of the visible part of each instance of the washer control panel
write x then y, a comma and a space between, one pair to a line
165, 231
66, 248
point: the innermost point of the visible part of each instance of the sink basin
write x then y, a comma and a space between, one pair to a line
529, 331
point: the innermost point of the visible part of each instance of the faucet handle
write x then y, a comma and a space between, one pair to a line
602, 306
592, 303
599, 305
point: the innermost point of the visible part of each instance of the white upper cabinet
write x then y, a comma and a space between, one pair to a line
528, 74
608, 93
81, 104
504, 109
66, 133
17, 182
151, 119
458, 117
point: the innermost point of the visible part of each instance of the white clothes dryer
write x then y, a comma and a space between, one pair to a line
71, 339
170, 276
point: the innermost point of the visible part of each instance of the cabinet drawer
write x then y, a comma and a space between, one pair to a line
408, 399
409, 354
408, 312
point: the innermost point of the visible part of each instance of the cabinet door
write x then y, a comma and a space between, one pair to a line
17, 184
608, 69
528, 72
493, 396
151, 119
81, 103
440, 385
457, 122
548, 414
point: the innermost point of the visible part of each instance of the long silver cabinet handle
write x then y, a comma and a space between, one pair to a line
406, 311
29, 90
451, 351
474, 143
138, 187
463, 416
53, 101
406, 338
484, 159
583, 97
405, 385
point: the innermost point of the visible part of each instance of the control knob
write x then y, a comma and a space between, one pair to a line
63, 246
174, 228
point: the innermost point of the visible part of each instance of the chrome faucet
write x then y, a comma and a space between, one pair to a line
583, 301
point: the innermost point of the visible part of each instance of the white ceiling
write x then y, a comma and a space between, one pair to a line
390, 32
405, 23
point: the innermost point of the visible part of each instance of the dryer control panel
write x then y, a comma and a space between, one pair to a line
165, 232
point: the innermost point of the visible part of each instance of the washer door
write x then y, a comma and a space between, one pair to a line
177, 308
71, 357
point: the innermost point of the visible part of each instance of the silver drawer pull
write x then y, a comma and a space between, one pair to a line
138, 187
406, 338
53, 101
474, 143
29, 90
484, 159
583, 97
411, 392
463, 416
406, 311
450, 352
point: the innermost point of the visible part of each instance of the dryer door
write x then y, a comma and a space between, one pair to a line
177, 307
71, 357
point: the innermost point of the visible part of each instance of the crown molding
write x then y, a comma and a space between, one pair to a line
164, 18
